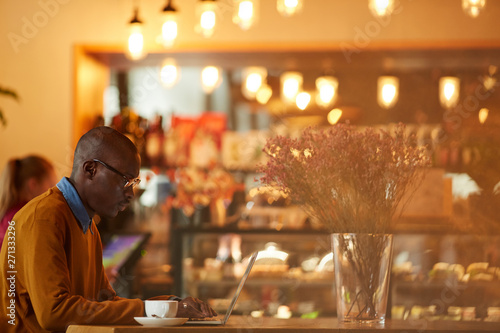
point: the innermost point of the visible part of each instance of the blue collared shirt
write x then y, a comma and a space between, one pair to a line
75, 203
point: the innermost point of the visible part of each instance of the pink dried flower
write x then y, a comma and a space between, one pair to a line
346, 179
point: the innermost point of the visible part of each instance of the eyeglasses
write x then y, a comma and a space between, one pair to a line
128, 181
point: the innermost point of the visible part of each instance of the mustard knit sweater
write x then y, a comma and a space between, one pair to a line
58, 272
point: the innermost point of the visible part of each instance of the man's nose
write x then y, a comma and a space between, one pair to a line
129, 192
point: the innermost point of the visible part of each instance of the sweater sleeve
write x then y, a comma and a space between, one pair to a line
48, 283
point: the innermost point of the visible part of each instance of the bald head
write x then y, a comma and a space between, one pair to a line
102, 143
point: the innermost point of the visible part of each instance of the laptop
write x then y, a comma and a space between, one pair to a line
211, 321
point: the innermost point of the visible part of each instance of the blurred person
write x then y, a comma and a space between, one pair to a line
57, 278
22, 179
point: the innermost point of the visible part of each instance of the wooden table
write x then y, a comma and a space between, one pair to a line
243, 324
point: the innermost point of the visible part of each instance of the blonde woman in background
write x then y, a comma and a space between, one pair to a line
22, 180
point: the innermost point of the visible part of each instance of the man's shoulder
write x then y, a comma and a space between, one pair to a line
47, 206
52, 198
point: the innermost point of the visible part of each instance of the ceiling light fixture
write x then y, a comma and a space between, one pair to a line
264, 94
334, 116
210, 78
169, 73
291, 84
473, 7
326, 86
381, 8
206, 13
169, 27
253, 79
483, 115
135, 49
387, 91
245, 13
449, 91
289, 7
302, 100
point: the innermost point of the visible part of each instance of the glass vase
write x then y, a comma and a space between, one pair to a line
362, 272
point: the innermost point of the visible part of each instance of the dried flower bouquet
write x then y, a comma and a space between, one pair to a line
349, 181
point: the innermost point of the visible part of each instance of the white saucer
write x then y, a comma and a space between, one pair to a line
148, 321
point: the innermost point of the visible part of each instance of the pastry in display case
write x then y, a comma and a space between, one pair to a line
446, 277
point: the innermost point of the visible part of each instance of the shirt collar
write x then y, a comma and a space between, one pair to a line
75, 203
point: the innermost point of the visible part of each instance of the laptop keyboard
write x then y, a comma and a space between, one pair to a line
204, 319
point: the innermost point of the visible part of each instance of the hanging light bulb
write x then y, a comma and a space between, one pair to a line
264, 94
326, 87
291, 84
334, 116
245, 13
302, 100
449, 91
483, 115
169, 73
253, 79
135, 50
381, 8
210, 78
169, 27
289, 7
206, 13
387, 91
473, 7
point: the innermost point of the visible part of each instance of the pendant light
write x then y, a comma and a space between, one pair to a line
449, 91
169, 27
245, 13
291, 85
252, 80
387, 91
210, 78
135, 49
326, 87
381, 8
334, 116
289, 7
302, 100
483, 115
206, 14
264, 94
473, 7
169, 73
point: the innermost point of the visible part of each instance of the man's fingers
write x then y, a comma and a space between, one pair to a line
196, 308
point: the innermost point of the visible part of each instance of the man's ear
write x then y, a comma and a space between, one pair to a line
89, 169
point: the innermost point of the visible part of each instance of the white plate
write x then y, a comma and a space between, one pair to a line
148, 321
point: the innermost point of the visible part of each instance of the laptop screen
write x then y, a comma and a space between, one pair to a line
251, 261
209, 321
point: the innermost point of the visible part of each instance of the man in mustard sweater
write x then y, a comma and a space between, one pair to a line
51, 258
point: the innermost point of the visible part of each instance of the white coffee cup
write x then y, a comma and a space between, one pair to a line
161, 309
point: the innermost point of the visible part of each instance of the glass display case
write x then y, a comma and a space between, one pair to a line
295, 276
446, 276
435, 276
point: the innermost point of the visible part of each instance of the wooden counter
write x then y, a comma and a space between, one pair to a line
241, 324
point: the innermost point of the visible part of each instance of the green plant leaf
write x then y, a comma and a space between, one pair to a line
8, 92
3, 121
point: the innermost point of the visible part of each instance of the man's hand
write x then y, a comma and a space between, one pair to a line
191, 307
